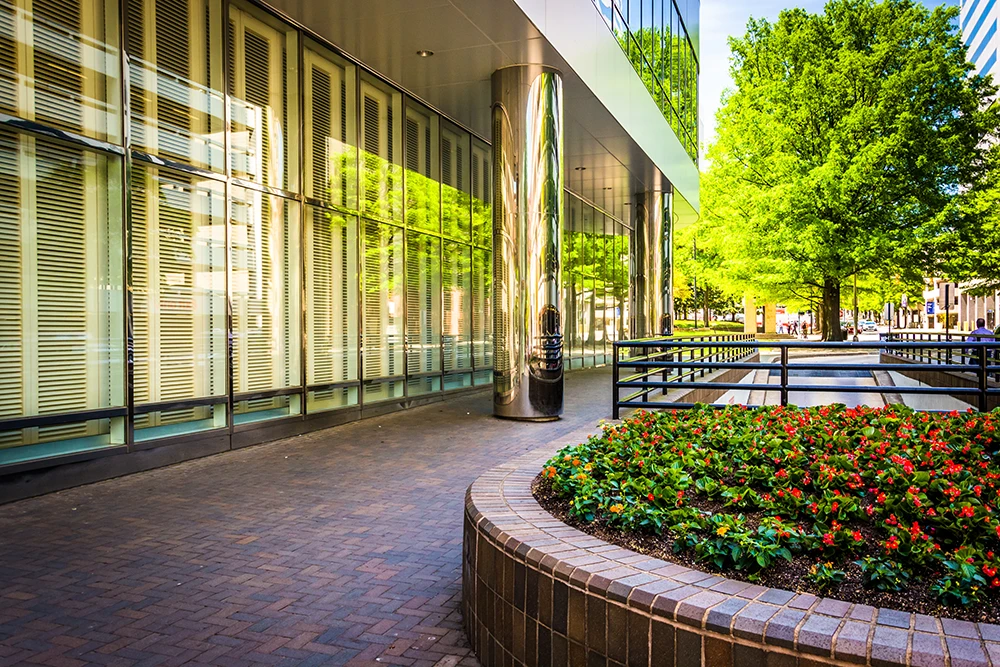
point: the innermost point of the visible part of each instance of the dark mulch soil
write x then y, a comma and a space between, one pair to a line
785, 575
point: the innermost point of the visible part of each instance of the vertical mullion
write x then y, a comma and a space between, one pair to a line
303, 333
228, 212
126, 236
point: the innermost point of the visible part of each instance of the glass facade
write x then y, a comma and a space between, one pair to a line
595, 275
249, 227
656, 40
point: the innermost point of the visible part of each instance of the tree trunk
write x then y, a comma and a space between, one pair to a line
707, 323
831, 310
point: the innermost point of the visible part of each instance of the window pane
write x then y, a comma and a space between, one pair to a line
482, 192
482, 308
175, 69
264, 234
381, 155
259, 409
178, 297
61, 320
456, 278
455, 185
331, 399
331, 159
623, 272
263, 76
423, 307
383, 309
423, 191
59, 64
331, 297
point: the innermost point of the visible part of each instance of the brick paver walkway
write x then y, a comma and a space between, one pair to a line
337, 547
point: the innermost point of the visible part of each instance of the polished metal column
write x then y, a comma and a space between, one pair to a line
652, 234
527, 238
667, 267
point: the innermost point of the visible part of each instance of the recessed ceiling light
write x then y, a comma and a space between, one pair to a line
424, 53
580, 168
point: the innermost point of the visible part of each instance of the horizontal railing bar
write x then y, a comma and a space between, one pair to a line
749, 365
678, 406
698, 385
821, 345
877, 389
883, 367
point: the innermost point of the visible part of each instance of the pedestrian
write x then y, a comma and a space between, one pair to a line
980, 335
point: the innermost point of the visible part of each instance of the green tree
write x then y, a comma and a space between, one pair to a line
843, 146
970, 240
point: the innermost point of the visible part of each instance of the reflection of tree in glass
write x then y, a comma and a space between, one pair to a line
667, 66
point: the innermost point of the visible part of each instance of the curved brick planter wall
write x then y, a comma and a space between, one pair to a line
537, 592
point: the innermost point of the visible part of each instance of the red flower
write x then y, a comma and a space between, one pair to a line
856, 535
828, 539
892, 543
650, 497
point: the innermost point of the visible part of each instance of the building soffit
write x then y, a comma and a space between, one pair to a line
470, 39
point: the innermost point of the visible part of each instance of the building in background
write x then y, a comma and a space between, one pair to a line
225, 221
978, 21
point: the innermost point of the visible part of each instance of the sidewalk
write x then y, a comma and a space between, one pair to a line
337, 547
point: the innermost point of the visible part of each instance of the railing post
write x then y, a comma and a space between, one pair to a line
784, 375
614, 384
645, 375
983, 382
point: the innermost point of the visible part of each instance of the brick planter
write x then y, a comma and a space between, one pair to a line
537, 592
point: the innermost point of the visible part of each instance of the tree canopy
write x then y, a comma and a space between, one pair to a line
843, 148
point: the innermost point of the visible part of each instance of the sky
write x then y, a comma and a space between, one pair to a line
721, 19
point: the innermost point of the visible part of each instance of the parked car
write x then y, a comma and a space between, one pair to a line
869, 326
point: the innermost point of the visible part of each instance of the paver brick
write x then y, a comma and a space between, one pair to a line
336, 546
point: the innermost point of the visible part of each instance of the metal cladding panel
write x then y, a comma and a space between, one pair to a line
527, 223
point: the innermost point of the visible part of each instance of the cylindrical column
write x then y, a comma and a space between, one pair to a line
527, 238
667, 267
652, 241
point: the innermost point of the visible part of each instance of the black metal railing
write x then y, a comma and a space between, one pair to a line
674, 361
660, 365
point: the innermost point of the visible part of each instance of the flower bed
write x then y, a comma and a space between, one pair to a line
886, 504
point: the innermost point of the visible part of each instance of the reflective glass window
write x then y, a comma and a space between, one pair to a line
263, 90
456, 284
456, 187
61, 286
423, 311
60, 65
423, 189
382, 290
331, 261
381, 153
330, 110
175, 73
265, 288
481, 180
482, 308
179, 308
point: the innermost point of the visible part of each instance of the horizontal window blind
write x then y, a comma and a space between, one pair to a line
179, 291
60, 64
332, 297
60, 286
175, 68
